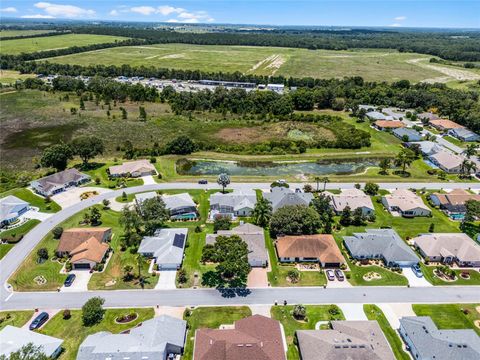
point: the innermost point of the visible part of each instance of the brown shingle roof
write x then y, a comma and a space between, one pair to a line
456, 197
72, 238
389, 124
91, 249
320, 246
445, 124
253, 338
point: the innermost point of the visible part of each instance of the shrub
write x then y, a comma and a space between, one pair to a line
153, 160
182, 276
333, 310
294, 276
92, 311
68, 266
66, 314
42, 253
57, 232
97, 180
299, 312
198, 229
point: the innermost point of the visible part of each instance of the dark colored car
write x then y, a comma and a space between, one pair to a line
330, 275
69, 280
339, 275
203, 182
39, 321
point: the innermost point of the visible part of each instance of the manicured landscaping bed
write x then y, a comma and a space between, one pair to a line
428, 272
451, 316
315, 313
373, 312
210, 317
34, 200
14, 318
73, 332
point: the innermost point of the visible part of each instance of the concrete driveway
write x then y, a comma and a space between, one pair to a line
80, 283
166, 280
148, 180
72, 195
353, 311
393, 313
34, 214
257, 278
413, 280
51, 313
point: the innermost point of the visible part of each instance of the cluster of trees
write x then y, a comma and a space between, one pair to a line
446, 45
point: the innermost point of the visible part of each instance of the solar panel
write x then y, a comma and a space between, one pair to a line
179, 240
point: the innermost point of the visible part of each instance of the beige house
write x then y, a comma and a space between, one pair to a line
133, 169
447, 161
449, 248
354, 199
406, 203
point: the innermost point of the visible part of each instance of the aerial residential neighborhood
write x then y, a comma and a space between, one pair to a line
240, 180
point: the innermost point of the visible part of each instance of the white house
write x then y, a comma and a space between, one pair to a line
233, 204
166, 246
11, 208
58, 182
354, 199
406, 202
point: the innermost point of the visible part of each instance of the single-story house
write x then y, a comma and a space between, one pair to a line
254, 337
320, 248
426, 342
447, 161
11, 208
280, 196
166, 246
359, 340
253, 236
86, 247
232, 204
408, 134
13, 339
377, 115
406, 202
135, 168
427, 148
384, 244
58, 182
354, 199
444, 124
464, 134
453, 203
449, 248
388, 124
141, 197
181, 206
162, 337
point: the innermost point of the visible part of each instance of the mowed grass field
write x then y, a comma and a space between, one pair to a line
18, 46
10, 33
373, 65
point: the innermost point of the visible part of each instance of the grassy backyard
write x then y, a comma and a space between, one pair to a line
99, 175
33, 199
315, 313
451, 316
373, 312
210, 317
73, 332
14, 318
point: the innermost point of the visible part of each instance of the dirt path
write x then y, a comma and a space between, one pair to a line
273, 62
451, 73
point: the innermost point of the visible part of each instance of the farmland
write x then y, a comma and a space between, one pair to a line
14, 33
372, 65
29, 45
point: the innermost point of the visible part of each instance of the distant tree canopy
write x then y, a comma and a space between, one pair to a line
181, 145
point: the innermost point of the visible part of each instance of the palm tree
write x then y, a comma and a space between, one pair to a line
262, 212
384, 166
404, 158
468, 167
471, 150
325, 180
317, 180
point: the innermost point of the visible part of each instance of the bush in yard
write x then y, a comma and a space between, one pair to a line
98, 180
371, 189
68, 266
182, 276
42, 253
294, 276
198, 229
66, 314
294, 220
333, 310
57, 232
299, 312
153, 160
221, 223
92, 311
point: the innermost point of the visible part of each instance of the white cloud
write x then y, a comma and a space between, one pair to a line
67, 11
113, 13
395, 25
144, 10
38, 16
400, 18
9, 10
167, 10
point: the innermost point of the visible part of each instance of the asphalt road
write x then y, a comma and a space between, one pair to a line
16, 255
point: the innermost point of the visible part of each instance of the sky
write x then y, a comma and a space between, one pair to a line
385, 13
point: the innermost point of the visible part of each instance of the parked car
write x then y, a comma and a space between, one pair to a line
203, 181
417, 270
39, 321
69, 280
339, 275
330, 275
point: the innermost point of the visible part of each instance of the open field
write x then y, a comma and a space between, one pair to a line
373, 65
18, 46
11, 33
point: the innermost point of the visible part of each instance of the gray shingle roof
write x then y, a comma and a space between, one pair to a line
385, 242
412, 135
464, 133
432, 343
178, 201
10, 206
13, 338
151, 340
61, 178
164, 246
237, 199
281, 196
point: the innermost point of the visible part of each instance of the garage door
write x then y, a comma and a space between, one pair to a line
81, 266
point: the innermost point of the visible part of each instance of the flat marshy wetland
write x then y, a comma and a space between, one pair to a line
372, 65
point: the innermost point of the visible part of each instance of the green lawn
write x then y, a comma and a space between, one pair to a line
33, 199
456, 141
4, 249
16, 233
430, 276
315, 313
373, 312
18, 46
278, 275
210, 317
14, 318
12, 33
98, 173
451, 316
73, 332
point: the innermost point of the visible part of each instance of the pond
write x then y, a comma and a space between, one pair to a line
252, 168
